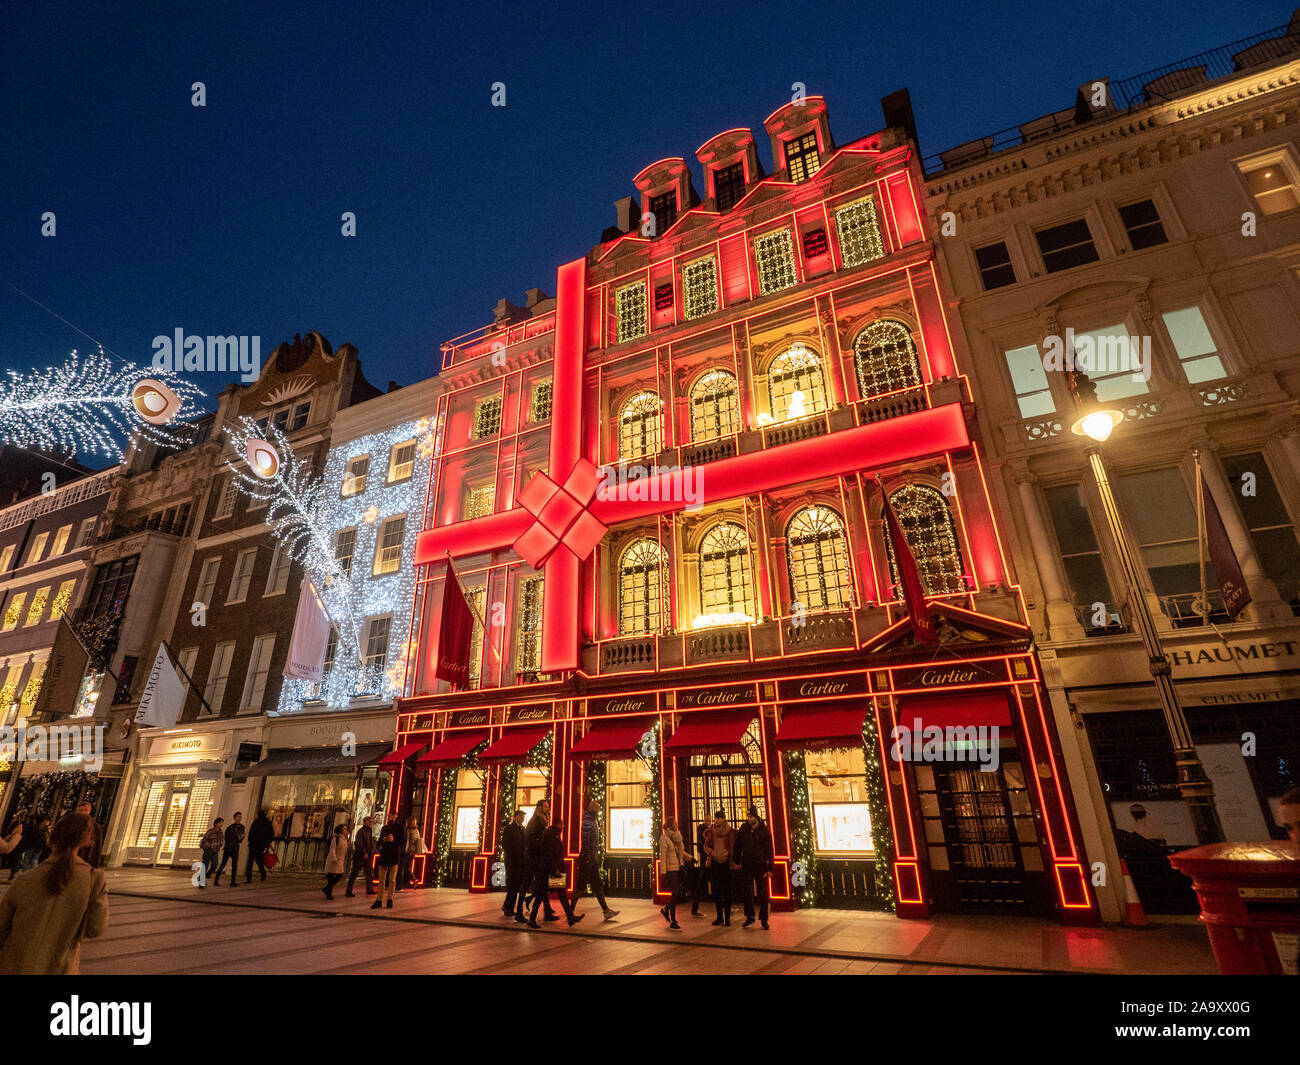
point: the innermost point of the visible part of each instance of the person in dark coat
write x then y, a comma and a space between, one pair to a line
552, 864
514, 846
534, 862
589, 861
363, 853
260, 834
719, 847
92, 851
234, 837
392, 838
701, 891
754, 855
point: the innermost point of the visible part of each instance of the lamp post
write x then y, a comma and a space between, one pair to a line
1096, 423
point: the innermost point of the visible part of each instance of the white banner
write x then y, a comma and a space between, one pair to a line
311, 634
164, 694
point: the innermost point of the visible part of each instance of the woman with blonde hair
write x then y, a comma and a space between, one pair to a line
50, 909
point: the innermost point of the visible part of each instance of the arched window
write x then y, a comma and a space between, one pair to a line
795, 384
818, 559
886, 359
642, 588
638, 426
928, 527
724, 571
715, 406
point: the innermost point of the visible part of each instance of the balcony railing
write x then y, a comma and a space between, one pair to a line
1186, 610
818, 631
719, 644
723, 447
628, 653
892, 405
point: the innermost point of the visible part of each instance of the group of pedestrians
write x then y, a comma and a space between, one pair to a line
534, 856
733, 861
228, 840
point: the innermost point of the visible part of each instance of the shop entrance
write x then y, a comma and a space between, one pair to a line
980, 837
174, 814
728, 782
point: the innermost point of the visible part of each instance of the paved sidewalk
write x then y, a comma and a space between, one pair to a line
945, 943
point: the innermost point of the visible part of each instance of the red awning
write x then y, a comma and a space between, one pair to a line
514, 746
709, 734
451, 750
962, 711
613, 740
817, 726
397, 757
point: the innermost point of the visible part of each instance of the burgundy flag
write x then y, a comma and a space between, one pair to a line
454, 633
1222, 557
908, 577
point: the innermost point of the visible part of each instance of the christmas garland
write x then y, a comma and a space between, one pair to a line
878, 805
803, 850
653, 797
442, 848
595, 789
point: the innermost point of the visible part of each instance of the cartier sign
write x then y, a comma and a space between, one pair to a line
469, 717
646, 703
717, 696
529, 713
821, 687
951, 675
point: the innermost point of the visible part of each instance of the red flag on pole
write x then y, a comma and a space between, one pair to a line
1222, 557
454, 632
908, 576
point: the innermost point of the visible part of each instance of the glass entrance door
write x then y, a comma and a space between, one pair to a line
172, 821
728, 782
981, 840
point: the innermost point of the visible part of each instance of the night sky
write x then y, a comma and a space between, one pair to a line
226, 219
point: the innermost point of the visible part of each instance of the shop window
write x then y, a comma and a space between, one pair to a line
388, 546
1029, 380
1195, 345
818, 560
529, 659
642, 588
801, 157
729, 185
928, 528
796, 387
638, 427
1115, 364
539, 408
487, 417
627, 798
60, 540
994, 264
725, 589
1076, 539
1161, 519
715, 406
1067, 245
885, 357
199, 817
354, 476
37, 608
277, 577
664, 208
700, 283
531, 786
774, 254
480, 501
467, 811
14, 611
837, 793
1142, 223
629, 312
1270, 524
401, 462
38, 548
243, 577
146, 834
88, 695
112, 585
214, 692
259, 668
62, 599
226, 504
1272, 184
345, 546
859, 232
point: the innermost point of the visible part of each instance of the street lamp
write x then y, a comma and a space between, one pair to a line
1097, 422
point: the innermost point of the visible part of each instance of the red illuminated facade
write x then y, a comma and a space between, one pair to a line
660, 492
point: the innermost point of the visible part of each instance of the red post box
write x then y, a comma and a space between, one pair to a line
1250, 903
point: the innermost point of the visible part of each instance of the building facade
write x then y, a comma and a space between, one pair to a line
662, 491
1160, 216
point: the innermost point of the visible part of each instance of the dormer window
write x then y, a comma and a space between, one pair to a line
729, 185
664, 208
801, 157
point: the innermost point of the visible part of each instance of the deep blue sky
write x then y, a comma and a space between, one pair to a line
225, 219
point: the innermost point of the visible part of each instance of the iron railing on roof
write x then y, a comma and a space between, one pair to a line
1136, 93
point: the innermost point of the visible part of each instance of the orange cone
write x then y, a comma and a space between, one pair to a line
1134, 917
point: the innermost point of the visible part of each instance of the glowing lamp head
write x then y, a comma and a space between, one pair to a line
263, 459
154, 401
1098, 424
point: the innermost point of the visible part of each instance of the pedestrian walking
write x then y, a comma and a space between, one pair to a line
93, 850
260, 834
233, 838
35, 847
336, 860
512, 844
589, 861
412, 845
701, 887
390, 857
551, 876
48, 911
210, 846
672, 862
363, 853
754, 856
534, 862
719, 847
